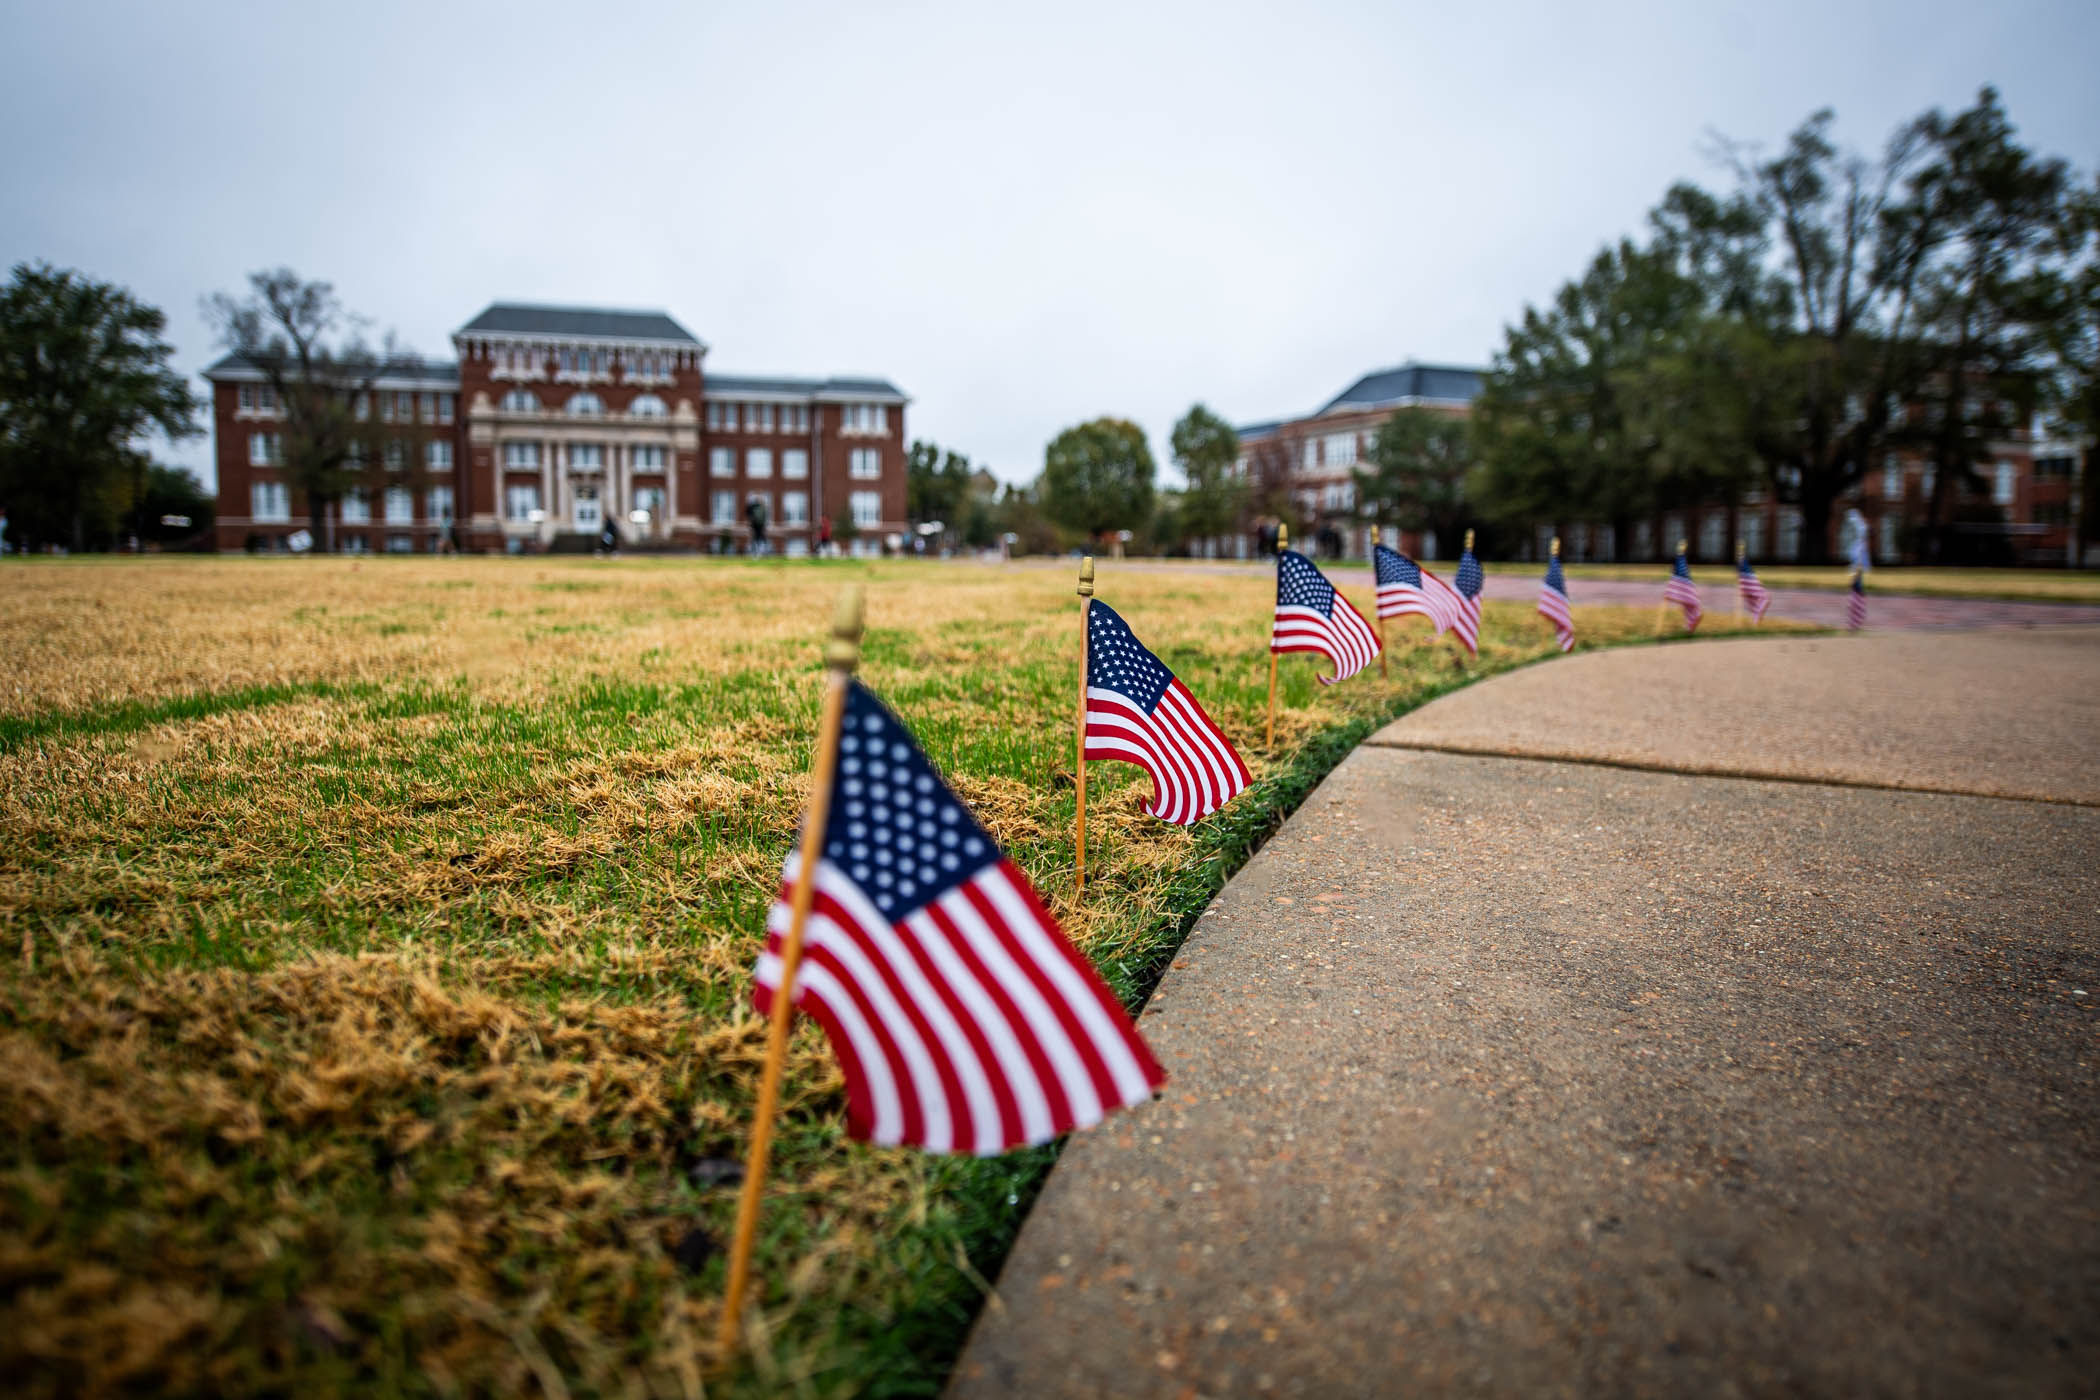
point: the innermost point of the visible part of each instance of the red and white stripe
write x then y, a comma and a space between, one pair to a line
1684, 593
970, 1026
1465, 619
1343, 638
1756, 597
1446, 604
1405, 600
1553, 606
1194, 768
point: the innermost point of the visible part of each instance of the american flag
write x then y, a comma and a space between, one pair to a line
1140, 712
1465, 619
1311, 616
1856, 604
1406, 589
1553, 604
1756, 597
1683, 592
963, 1019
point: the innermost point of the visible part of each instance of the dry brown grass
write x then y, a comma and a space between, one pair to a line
393, 1037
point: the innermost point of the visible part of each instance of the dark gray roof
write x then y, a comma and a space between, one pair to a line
724, 385
511, 318
1255, 432
411, 368
1409, 381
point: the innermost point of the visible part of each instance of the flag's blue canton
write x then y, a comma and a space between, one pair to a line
1118, 661
895, 829
1555, 579
1681, 569
1470, 578
1395, 567
1300, 585
1743, 569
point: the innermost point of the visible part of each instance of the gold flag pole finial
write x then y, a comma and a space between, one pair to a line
1086, 577
1683, 545
1469, 539
1556, 546
1742, 551
1283, 537
842, 657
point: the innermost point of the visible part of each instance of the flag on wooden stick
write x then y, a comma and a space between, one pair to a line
1751, 589
1138, 711
1856, 602
1683, 592
962, 1017
1312, 615
1553, 601
1471, 578
1406, 589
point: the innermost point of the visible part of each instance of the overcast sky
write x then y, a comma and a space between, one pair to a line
1023, 218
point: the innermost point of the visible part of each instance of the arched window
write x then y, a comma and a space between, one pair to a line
585, 405
648, 406
521, 401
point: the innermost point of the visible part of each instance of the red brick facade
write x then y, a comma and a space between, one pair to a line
557, 422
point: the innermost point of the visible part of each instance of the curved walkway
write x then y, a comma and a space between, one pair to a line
1499, 1074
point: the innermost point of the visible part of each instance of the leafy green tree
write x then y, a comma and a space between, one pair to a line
84, 379
312, 352
936, 483
170, 494
1208, 452
1098, 477
2068, 310
1418, 466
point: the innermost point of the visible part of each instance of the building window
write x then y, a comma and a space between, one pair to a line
1927, 479
521, 456
521, 501
1891, 478
650, 501
263, 450
867, 507
1713, 535
758, 461
1885, 546
648, 457
648, 406
871, 419
794, 463
2003, 482
1341, 449
865, 463
386, 408
584, 405
729, 417
438, 456
587, 456
1754, 535
794, 418
1789, 533
437, 504
357, 510
1311, 457
400, 544
723, 510
356, 544
400, 505
1673, 531
361, 407
765, 418
794, 507
396, 455
521, 401
444, 408
405, 406
714, 417
269, 502
720, 462
430, 408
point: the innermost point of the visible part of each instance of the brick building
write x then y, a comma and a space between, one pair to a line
2023, 515
557, 421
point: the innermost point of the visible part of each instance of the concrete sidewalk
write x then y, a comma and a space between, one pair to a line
1501, 1075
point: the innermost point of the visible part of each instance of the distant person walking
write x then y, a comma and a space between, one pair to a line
823, 534
755, 516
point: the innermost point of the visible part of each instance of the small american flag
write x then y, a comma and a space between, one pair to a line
1406, 589
1465, 619
1139, 712
1856, 604
1312, 616
1756, 597
1553, 604
962, 1018
1683, 592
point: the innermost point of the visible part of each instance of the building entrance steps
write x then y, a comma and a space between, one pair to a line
1506, 1074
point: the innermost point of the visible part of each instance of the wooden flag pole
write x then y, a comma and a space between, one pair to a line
1382, 672
1740, 553
841, 656
1283, 535
1086, 604
1662, 609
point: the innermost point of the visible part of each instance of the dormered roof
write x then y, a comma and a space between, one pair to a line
579, 323
1408, 382
833, 390
406, 372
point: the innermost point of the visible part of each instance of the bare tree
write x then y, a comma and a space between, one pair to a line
333, 436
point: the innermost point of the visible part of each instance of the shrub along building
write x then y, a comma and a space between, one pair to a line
2022, 513
555, 422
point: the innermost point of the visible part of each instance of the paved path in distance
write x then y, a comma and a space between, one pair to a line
1507, 1075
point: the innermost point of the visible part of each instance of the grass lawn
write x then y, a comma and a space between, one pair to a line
2021, 585
379, 937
